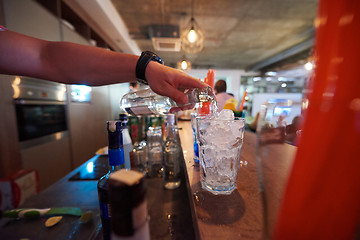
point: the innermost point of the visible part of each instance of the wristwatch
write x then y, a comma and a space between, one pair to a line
142, 63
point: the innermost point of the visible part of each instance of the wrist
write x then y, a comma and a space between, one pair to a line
150, 69
142, 64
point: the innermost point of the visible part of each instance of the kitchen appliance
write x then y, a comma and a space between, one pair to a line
40, 111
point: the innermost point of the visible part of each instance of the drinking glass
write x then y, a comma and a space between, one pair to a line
274, 155
220, 149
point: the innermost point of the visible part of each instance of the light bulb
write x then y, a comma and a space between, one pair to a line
192, 36
308, 66
184, 65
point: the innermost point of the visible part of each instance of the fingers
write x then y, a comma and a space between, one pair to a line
175, 94
167, 81
191, 82
182, 108
175, 109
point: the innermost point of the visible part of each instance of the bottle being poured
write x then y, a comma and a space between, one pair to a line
147, 102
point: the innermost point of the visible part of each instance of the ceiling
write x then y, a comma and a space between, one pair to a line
238, 34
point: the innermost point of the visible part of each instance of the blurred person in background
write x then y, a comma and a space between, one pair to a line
221, 95
292, 130
134, 86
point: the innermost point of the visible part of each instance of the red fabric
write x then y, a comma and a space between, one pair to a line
322, 198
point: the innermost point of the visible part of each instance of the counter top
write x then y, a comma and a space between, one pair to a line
169, 211
235, 216
185, 213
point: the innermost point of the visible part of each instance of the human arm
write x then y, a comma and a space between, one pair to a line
72, 63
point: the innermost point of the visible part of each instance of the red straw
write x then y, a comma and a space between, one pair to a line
242, 101
210, 78
205, 107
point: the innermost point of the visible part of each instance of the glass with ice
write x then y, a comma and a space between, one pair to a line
220, 139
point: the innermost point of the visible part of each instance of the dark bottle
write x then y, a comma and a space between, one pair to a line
127, 196
116, 162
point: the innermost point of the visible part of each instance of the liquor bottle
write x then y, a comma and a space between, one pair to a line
146, 102
127, 143
116, 162
171, 161
129, 214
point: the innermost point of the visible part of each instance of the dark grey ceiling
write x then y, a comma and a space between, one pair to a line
239, 34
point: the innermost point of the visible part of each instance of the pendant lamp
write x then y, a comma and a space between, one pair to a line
184, 65
192, 38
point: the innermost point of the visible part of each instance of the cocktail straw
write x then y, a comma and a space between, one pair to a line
205, 107
210, 78
242, 101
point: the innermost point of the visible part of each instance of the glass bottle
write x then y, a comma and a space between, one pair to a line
140, 149
171, 161
129, 214
146, 102
127, 143
116, 162
155, 151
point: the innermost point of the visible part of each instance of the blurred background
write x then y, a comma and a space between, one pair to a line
263, 47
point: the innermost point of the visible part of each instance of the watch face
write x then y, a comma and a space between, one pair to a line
154, 57
157, 59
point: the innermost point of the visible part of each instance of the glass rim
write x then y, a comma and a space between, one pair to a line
220, 120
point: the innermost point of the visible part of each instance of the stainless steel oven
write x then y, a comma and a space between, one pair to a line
40, 111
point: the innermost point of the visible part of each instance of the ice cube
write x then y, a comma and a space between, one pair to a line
226, 114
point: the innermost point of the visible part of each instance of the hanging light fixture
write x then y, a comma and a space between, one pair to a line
192, 38
184, 65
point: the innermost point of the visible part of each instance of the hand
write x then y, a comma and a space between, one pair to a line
182, 108
167, 81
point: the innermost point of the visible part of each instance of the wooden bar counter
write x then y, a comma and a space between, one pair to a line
235, 216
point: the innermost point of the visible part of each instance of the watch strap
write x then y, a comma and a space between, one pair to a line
142, 63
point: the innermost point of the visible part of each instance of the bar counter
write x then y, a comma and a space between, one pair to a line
235, 216
170, 214
185, 213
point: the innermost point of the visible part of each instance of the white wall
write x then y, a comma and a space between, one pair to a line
116, 92
260, 98
87, 124
232, 78
30, 18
